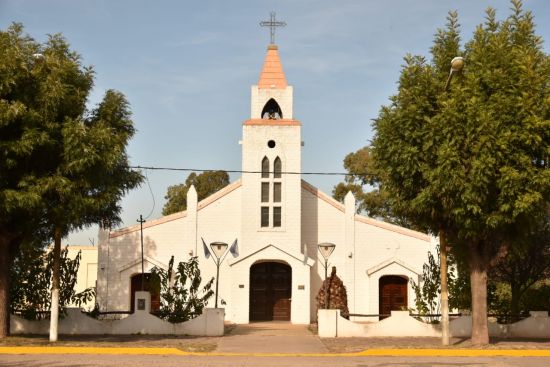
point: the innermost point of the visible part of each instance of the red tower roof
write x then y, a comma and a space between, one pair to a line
272, 75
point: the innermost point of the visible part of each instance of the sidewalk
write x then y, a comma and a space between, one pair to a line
269, 338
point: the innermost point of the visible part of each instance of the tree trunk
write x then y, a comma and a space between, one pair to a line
478, 283
54, 316
5, 266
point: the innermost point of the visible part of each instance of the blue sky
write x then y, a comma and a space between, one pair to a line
186, 68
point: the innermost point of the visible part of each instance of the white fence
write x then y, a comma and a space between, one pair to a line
400, 323
210, 323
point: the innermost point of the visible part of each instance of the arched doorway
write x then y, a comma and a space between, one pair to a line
392, 294
272, 110
148, 286
270, 291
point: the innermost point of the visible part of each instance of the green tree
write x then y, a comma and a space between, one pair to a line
460, 291
32, 277
526, 264
515, 286
89, 176
206, 184
63, 166
363, 180
182, 297
472, 163
427, 292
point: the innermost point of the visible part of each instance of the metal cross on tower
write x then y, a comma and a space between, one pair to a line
272, 24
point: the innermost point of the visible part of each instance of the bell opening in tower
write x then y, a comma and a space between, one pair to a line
272, 110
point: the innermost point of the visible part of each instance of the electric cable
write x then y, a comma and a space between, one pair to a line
243, 171
152, 195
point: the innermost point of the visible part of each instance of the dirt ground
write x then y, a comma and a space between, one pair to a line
343, 345
210, 344
185, 343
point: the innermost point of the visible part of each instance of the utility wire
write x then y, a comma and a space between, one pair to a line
152, 196
259, 172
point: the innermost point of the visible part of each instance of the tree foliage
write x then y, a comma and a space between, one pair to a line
472, 161
181, 295
428, 290
32, 278
526, 264
205, 183
362, 182
524, 268
63, 166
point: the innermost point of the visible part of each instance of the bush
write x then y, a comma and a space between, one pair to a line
31, 274
536, 298
180, 296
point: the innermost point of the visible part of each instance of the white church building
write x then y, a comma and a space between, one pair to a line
278, 220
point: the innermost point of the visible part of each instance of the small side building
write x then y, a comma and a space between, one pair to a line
87, 272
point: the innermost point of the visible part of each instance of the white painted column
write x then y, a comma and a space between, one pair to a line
102, 291
349, 271
191, 221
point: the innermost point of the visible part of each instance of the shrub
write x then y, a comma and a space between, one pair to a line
31, 274
181, 297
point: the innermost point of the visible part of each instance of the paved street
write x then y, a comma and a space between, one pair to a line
265, 344
205, 361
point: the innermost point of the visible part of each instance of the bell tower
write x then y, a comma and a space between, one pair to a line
271, 161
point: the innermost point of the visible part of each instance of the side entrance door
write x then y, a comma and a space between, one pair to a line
393, 294
270, 291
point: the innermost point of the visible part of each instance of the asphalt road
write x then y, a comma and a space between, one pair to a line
211, 361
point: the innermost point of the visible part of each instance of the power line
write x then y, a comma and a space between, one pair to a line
259, 172
152, 196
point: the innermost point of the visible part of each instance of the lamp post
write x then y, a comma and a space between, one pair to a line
326, 250
457, 64
219, 249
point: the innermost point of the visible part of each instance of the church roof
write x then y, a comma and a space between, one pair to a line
363, 219
170, 217
272, 75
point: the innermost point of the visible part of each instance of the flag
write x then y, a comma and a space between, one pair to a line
206, 251
234, 249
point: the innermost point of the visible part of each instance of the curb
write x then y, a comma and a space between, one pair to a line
365, 353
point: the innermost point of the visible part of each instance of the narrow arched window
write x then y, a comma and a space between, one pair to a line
272, 111
265, 167
277, 167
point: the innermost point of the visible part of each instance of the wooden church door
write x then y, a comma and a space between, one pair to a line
270, 292
392, 294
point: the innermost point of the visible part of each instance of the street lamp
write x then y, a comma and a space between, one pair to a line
219, 249
326, 250
457, 64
